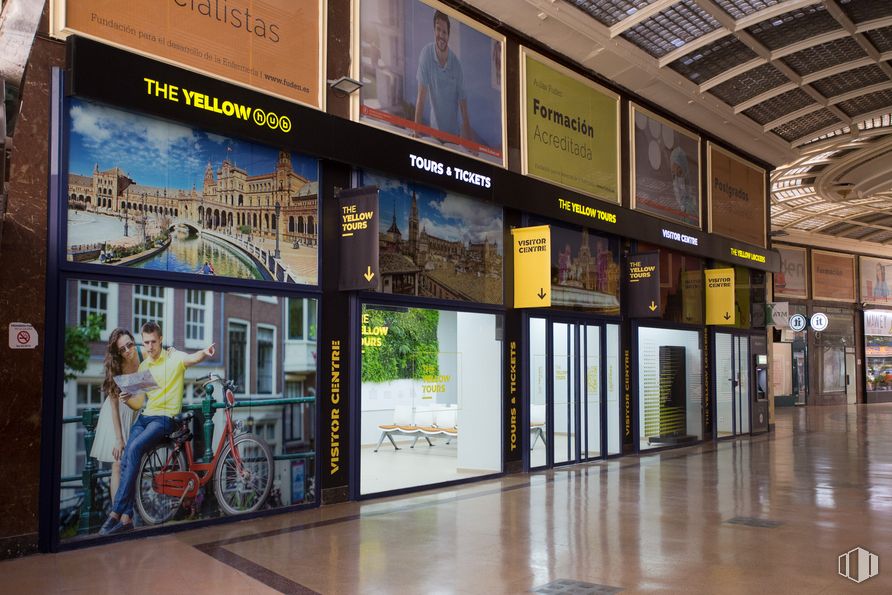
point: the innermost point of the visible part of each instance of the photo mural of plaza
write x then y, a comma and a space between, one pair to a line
152, 194
438, 244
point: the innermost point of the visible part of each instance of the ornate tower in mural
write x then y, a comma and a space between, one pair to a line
283, 169
413, 227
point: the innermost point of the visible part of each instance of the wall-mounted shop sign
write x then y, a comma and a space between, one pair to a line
878, 323
778, 314
819, 321
679, 237
798, 322
336, 447
532, 266
643, 283
571, 128
665, 168
736, 197
434, 74
833, 276
218, 105
748, 256
275, 46
588, 211
720, 296
438, 168
358, 230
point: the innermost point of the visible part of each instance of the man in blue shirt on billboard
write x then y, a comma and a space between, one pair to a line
440, 78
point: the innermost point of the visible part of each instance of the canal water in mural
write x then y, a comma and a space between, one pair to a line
188, 254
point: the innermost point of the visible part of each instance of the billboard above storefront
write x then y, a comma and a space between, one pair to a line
737, 204
570, 129
276, 46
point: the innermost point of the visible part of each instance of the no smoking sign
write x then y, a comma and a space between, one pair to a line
22, 335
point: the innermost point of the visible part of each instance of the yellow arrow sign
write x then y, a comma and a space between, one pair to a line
369, 275
653, 306
532, 267
720, 296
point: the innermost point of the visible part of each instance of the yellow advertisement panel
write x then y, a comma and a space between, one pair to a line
571, 129
720, 296
532, 266
272, 46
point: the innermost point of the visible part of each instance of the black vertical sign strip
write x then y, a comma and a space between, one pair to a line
335, 364
358, 237
516, 418
643, 285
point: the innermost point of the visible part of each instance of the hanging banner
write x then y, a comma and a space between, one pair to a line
358, 229
643, 281
532, 266
720, 296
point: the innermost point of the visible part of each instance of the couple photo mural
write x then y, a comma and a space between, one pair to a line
130, 424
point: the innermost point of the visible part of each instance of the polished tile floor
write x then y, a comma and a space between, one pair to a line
768, 514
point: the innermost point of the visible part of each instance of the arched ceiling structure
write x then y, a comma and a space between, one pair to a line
804, 85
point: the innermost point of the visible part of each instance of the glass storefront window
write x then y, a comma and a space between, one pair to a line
275, 440
430, 397
681, 285
878, 353
670, 391
832, 347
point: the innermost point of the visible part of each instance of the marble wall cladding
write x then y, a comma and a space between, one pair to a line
23, 259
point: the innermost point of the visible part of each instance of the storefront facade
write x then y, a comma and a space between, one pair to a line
354, 266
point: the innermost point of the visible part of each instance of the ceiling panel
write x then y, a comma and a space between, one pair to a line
806, 125
737, 9
781, 105
850, 80
794, 26
880, 38
672, 28
713, 59
824, 56
861, 11
749, 84
610, 12
866, 104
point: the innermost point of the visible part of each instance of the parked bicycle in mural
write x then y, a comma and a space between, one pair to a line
241, 468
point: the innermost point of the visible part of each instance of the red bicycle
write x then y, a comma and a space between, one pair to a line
242, 467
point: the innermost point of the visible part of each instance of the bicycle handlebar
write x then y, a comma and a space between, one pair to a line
212, 378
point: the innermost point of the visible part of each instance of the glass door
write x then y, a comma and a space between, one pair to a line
568, 405
732, 384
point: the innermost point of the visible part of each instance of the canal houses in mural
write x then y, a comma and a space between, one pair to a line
152, 194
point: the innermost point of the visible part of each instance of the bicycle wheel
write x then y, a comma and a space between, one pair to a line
244, 476
153, 507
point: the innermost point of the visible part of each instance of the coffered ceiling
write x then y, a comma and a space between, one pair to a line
804, 85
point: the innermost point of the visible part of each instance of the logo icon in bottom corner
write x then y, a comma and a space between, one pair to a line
859, 565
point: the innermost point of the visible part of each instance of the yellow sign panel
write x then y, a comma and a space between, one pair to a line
720, 296
532, 266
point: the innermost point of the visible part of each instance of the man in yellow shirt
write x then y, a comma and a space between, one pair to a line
169, 371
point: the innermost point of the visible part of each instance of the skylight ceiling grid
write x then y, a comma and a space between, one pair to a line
794, 26
850, 80
784, 218
826, 135
738, 9
672, 28
876, 122
713, 59
751, 83
880, 38
824, 56
805, 201
866, 103
819, 207
781, 105
810, 224
610, 12
806, 125
858, 232
861, 11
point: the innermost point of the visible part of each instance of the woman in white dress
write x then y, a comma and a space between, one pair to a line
122, 356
